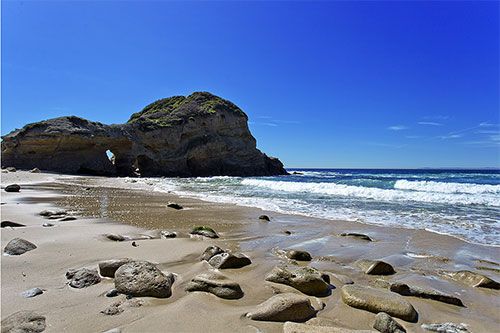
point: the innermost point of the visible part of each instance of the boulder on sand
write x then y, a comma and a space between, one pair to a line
474, 279
142, 279
18, 246
217, 284
386, 324
376, 300
375, 267
356, 235
229, 260
12, 188
210, 252
5, 224
174, 206
108, 268
83, 277
406, 290
204, 231
305, 279
23, 322
284, 307
298, 255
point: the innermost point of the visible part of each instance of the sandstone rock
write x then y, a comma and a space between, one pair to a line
375, 267
115, 237
264, 218
142, 279
167, 234
174, 205
475, 279
217, 284
23, 322
291, 327
83, 277
406, 290
35, 170
446, 328
18, 246
356, 235
305, 279
284, 307
12, 188
386, 324
298, 255
11, 224
210, 252
32, 292
375, 300
204, 231
229, 260
108, 268
197, 135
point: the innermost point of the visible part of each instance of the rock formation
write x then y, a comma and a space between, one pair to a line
197, 135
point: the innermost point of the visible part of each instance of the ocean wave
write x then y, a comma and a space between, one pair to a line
388, 195
441, 187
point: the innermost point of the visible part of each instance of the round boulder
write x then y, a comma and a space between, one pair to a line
12, 188
204, 231
298, 255
217, 284
229, 260
18, 246
83, 277
142, 278
284, 307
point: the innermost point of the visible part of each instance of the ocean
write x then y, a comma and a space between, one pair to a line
461, 203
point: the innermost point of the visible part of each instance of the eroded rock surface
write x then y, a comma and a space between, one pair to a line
284, 307
386, 324
18, 246
305, 279
197, 135
142, 278
474, 279
24, 322
216, 284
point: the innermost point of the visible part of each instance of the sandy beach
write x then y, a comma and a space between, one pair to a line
114, 205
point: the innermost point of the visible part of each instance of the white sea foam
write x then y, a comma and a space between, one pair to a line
389, 195
441, 187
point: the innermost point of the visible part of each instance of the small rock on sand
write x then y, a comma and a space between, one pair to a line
284, 307
68, 218
112, 293
229, 260
23, 322
356, 235
446, 328
264, 218
53, 214
11, 224
18, 246
115, 237
174, 205
83, 277
217, 284
375, 267
32, 292
386, 324
305, 279
12, 188
143, 279
164, 234
204, 231
108, 268
210, 252
298, 255
406, 290
474, 279
375, 300
47, 224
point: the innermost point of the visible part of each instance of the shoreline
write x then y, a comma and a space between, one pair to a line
240, 231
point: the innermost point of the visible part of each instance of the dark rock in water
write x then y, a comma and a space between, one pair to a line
112, 293
284, 307
375, 267
47, 224
406, 290
68, 218
376, 300
197, 135
83, 277
217, 284
474, 279
23, 322
297, 173
446, 328
210, 252
115, 237
108, 268
229, 260
264, 218
32, 292
11, 224
35, 170
356, 235
167, 234
204, 231
12, 188
18, 246
386, 324
11, 169
143, 279
298, 255
174, 205
305, 279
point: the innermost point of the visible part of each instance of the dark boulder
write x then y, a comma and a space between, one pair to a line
12, 188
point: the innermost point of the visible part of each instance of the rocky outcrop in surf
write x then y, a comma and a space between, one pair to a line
197, 135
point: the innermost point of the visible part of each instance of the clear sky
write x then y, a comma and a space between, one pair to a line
325, 84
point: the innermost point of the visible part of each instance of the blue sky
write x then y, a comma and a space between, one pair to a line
325, 84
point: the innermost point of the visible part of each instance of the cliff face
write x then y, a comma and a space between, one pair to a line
197, 135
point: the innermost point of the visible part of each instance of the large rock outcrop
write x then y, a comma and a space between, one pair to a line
197, 135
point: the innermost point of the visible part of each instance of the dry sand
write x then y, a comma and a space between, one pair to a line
418, 257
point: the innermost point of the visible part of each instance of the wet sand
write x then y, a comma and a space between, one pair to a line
419, 257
